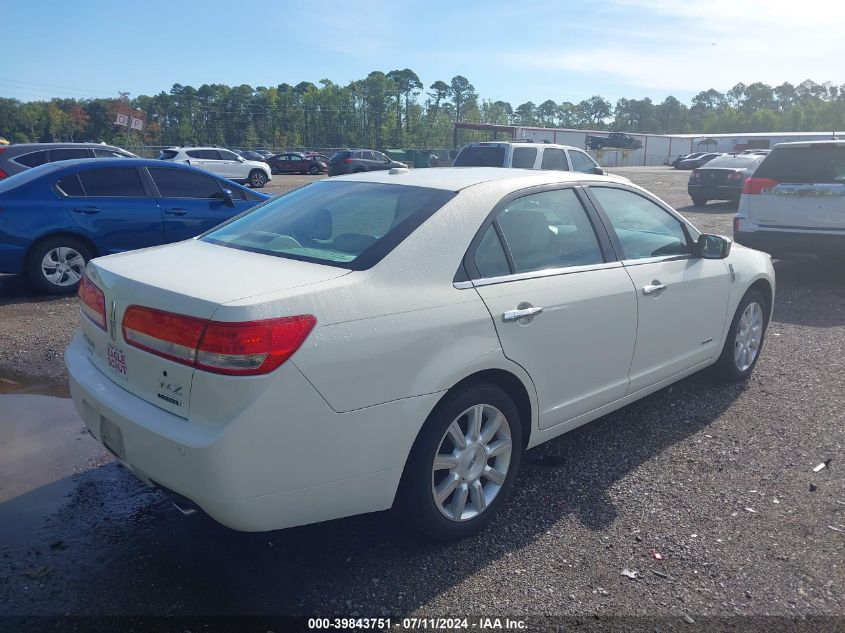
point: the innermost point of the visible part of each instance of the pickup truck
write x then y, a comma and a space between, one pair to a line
618, 140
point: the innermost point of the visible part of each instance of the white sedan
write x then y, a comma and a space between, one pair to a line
399, 339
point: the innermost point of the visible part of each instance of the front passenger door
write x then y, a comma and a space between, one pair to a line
682, 299
561, 311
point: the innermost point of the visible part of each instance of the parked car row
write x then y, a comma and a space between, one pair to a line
22, 156
221, 162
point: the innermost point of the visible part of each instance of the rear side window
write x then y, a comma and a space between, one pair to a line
227, 155
123, 182
816, 163
490, 258
549, 230
168, 154
70, 186
524, 157
481, 156
68, 153
32, 159
347, 224
110, 153
340, 156
181, 183
554, 158
209, 154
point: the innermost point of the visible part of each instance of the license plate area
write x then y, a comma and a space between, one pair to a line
112, 438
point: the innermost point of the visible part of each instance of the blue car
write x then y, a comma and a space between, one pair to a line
55, 217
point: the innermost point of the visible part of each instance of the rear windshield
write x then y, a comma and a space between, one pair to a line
481, 156
167, 154
816, 163
27, 176
734, 162
347, 224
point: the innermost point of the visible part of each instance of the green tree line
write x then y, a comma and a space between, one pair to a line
396, 109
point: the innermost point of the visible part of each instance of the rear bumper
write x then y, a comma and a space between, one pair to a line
779, 243
715, 192
287, 459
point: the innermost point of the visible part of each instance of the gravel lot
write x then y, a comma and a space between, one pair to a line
705, 492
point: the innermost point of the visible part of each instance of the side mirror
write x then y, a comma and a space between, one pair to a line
598, 171
228, 198
241, 159
713, 246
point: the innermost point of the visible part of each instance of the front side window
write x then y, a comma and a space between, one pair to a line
554, 158
123, 182
524, 157
227, 155
644, 228
348, 224
168, 154
581, 162
294, 157
550, 229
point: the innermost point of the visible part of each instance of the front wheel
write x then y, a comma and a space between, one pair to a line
314, 170
463, 464
56, 265
257, 178
744, 340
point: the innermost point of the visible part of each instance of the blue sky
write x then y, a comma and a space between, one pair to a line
510, 50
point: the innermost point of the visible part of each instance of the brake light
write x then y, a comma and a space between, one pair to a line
756, 186
92, 302
347, 161
237, 349
3, 174
695, 175
734, 175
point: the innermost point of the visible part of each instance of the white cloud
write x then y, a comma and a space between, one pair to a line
694, 46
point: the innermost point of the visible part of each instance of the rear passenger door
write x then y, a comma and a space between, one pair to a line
682, 299
112, 205
563, 308
192, 203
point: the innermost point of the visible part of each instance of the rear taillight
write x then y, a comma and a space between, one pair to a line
736, 224
238, 349
3, 174
734, 175
92, 302
347, 161
755, 186
694, 175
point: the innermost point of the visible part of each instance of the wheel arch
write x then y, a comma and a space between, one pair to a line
765, 288
86, 240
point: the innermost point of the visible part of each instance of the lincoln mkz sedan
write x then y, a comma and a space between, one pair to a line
398, 339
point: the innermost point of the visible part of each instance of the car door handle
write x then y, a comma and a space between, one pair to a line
654, 288
87, 210
520, 313
175, 211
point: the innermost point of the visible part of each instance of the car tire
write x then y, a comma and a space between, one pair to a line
699, 201
314, 170
453, 467
257, 178
56, 265
275, 171
747, 332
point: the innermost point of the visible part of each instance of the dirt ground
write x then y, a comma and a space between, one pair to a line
705, 494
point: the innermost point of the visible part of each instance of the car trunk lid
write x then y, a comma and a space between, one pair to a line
172, 279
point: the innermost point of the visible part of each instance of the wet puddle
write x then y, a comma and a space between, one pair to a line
17, 383
42, 445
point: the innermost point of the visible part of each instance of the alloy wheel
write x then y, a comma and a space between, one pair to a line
63, 266
749, 334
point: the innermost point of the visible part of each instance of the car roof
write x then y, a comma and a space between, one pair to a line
457, 178
523, 142
830, 142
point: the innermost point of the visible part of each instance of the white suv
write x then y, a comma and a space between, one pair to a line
795, 201
527, 155
221, 162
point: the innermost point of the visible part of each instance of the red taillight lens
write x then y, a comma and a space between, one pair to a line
347, 161
755, 186
237, 349
3, 174
165, 334
734, 175
92, 302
